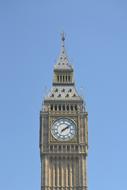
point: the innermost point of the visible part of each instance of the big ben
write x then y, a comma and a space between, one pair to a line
63, 131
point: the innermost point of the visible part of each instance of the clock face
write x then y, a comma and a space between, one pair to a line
63, 129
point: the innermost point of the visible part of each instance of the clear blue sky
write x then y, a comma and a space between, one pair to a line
96, 42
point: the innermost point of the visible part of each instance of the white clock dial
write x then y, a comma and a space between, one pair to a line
63, 129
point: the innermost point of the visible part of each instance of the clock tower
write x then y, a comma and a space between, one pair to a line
63, 131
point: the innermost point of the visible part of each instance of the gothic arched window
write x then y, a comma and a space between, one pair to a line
67, 107
55, 107
63, 107
59, 107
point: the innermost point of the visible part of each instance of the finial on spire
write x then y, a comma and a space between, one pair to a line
63, 38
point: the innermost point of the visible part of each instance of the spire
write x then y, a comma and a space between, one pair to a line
62, 61
62, 38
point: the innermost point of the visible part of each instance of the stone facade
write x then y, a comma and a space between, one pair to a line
63, 163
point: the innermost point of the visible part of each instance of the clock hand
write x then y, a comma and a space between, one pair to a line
65, 128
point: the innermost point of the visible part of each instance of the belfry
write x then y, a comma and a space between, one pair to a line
63, 131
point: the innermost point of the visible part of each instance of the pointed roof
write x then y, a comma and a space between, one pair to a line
63, 93
62, 61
